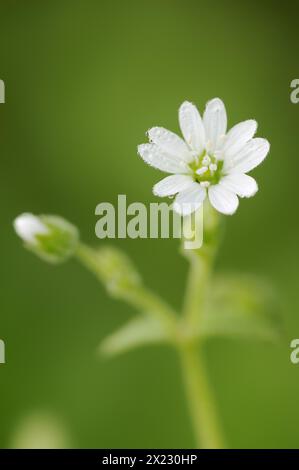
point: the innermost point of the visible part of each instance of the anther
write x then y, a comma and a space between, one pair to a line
206, 160
201, 170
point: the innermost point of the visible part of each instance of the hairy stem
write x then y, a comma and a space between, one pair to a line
135, 294
196, 289
200, 399
199, 393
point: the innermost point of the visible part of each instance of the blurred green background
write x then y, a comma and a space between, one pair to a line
84, 81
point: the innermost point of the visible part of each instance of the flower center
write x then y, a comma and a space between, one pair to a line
206, 169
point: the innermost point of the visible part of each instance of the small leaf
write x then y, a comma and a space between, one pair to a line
137, 332
241, 305
116, 270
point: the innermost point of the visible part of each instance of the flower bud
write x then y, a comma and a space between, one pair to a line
50, 237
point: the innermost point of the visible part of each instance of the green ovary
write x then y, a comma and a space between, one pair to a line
211, 175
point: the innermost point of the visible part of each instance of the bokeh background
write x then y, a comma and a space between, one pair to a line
84, 80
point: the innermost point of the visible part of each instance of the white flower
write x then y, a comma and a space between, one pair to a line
27, 226
208, 162
50, 237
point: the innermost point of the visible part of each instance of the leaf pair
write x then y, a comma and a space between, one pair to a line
237, 305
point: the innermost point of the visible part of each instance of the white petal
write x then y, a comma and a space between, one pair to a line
172, 184
250, 156
192, 127
223, 200
155, 156
242, 185
238, 136
215, 122
170, 143
189, 200
27, 226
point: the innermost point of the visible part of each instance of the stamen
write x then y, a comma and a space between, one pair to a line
213, 167
206, 160
201, 170
205, 184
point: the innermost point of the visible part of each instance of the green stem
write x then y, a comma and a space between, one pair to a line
145, 300
134, 294
196, 289
199, 394
200, 399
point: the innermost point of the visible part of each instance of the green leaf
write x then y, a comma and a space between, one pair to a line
137, 332
241, 305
